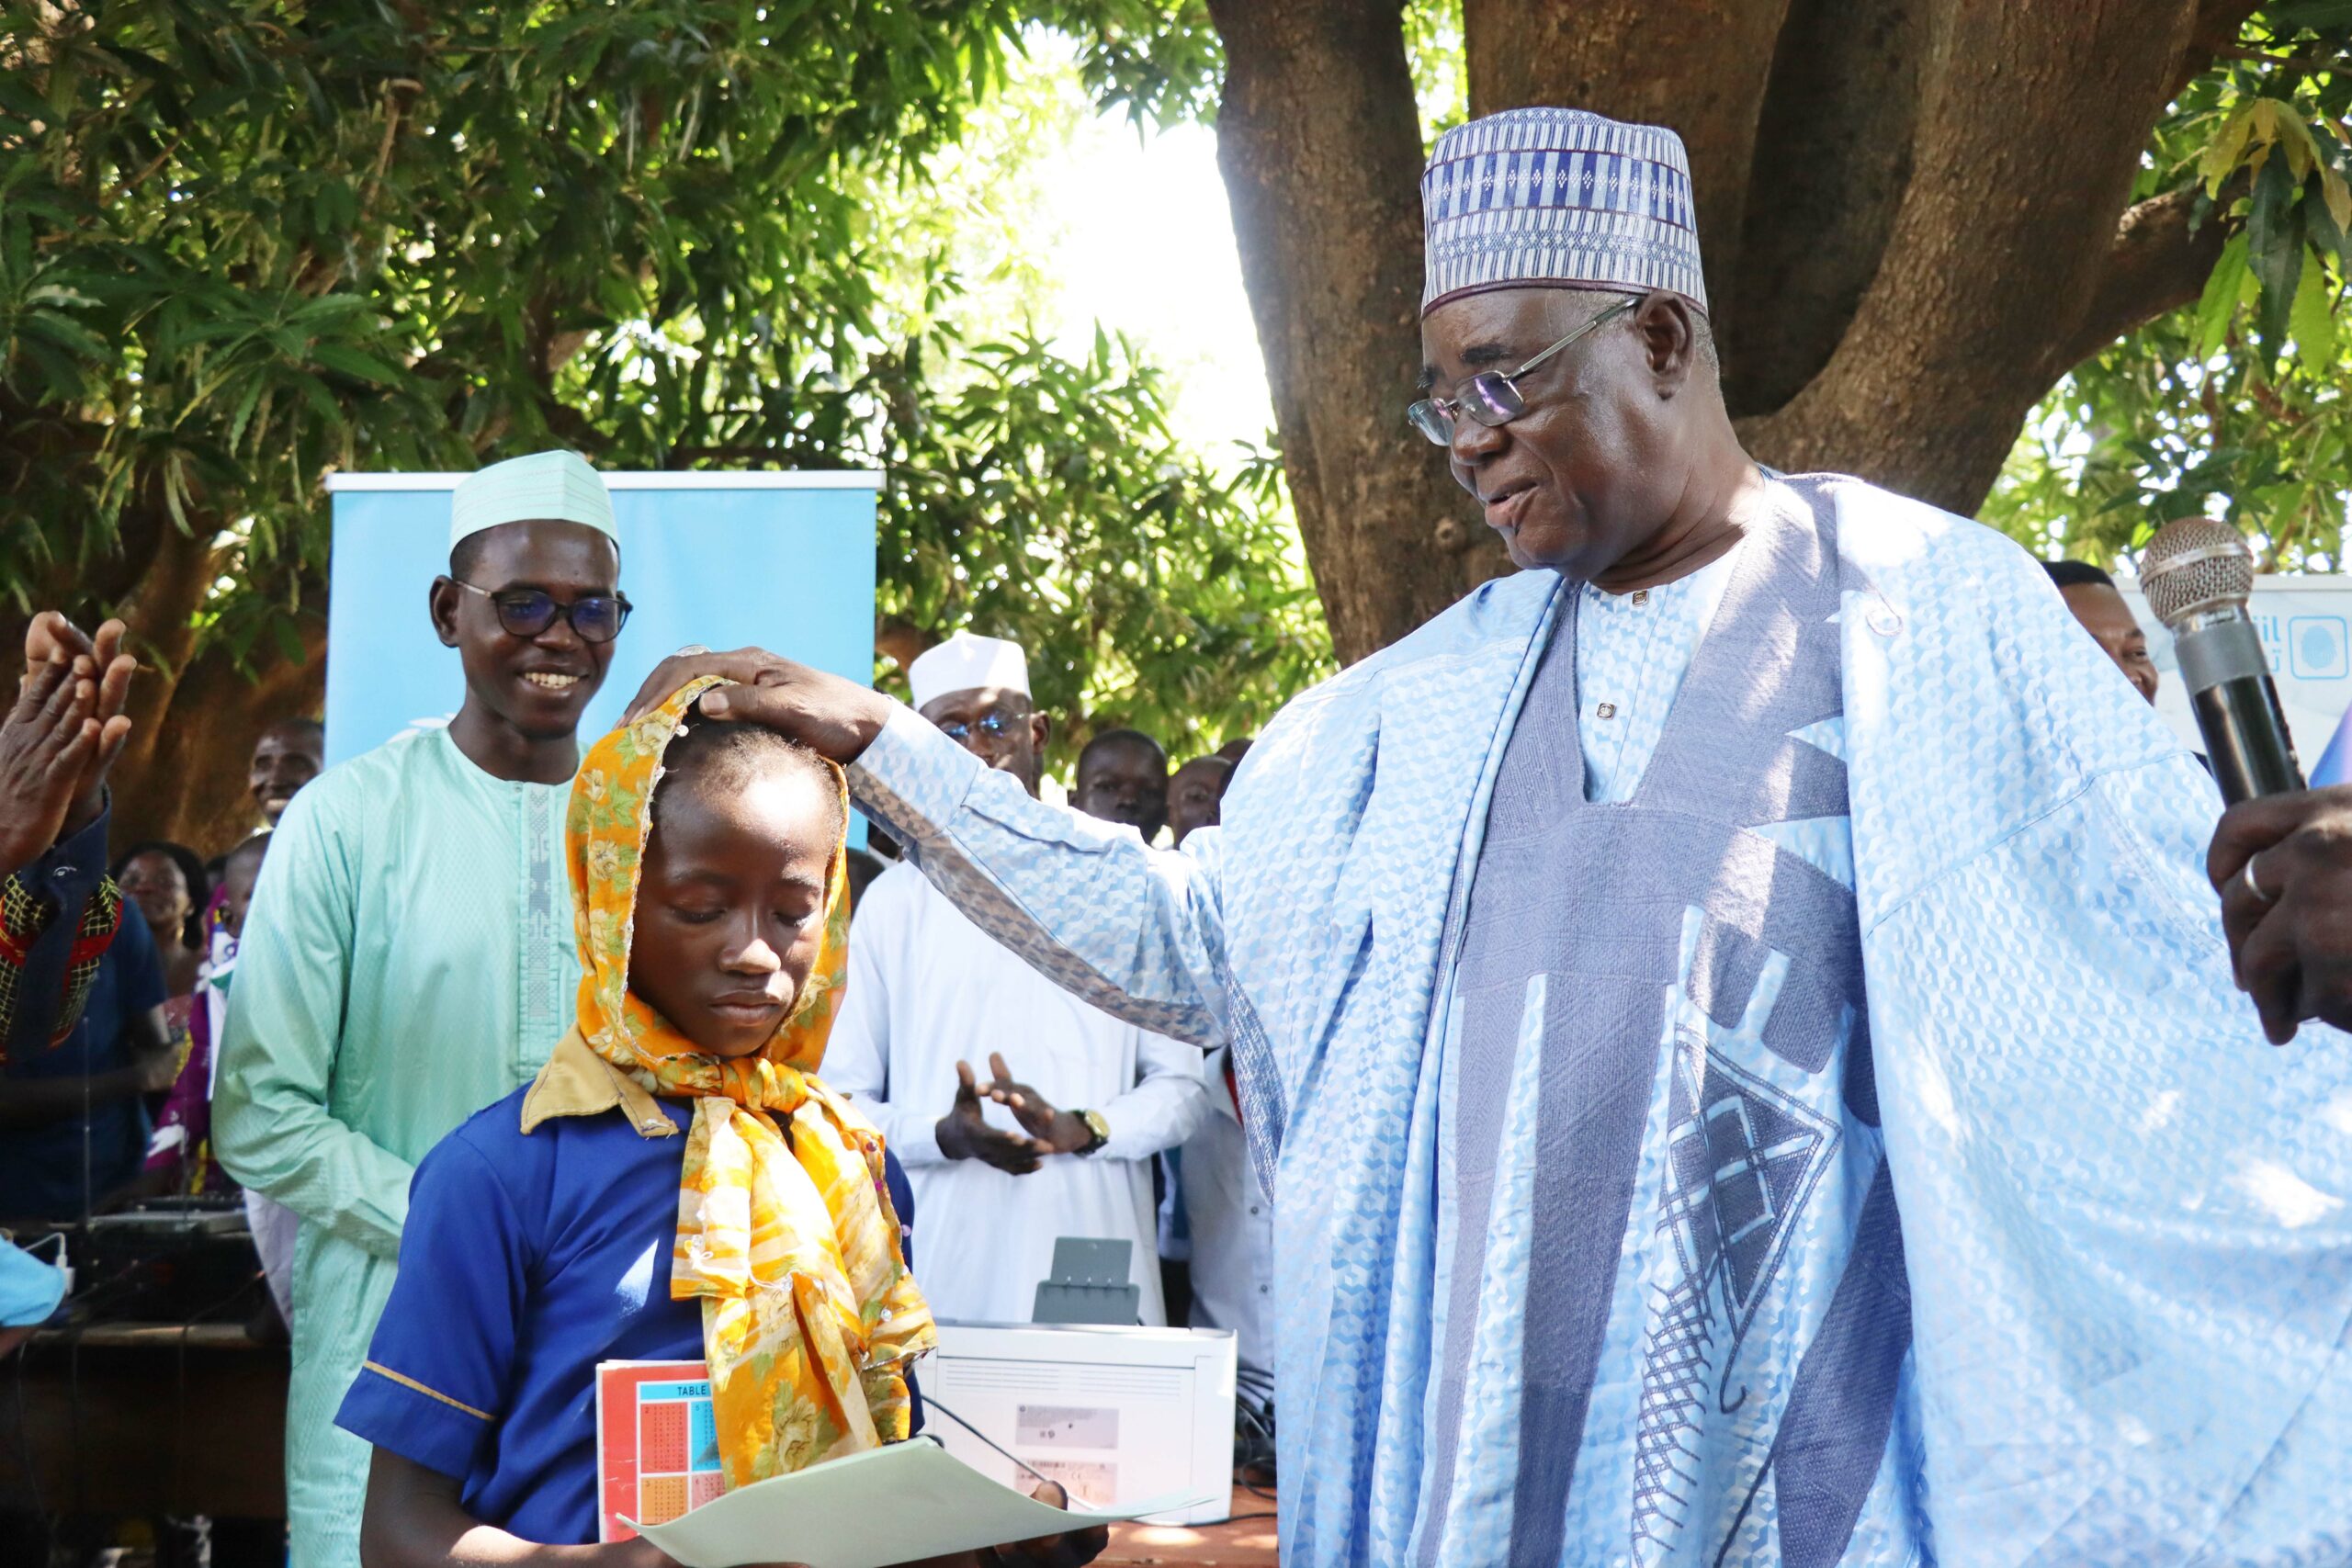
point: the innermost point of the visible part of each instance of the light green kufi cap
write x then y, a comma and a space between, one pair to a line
558, 485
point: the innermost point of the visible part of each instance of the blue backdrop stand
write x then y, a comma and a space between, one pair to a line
783, 561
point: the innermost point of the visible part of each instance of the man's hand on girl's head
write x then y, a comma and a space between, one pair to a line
832, 717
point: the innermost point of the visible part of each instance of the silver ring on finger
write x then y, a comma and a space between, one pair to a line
690, 650
2246, 876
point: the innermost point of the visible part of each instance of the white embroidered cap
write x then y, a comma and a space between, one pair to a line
966, 661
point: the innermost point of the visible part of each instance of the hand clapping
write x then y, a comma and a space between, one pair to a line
1063, 1132
65, 729
965, 1132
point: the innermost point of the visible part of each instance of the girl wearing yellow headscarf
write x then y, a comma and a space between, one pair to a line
677, 1184
721, 990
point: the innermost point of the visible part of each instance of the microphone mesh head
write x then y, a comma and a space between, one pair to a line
2195, 564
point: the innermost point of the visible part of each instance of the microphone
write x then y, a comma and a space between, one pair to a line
2197, 575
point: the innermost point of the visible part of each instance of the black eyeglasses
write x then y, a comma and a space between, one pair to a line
995, 726
527, 612
1492, 398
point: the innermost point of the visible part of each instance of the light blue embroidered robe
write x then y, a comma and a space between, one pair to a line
2126, 1232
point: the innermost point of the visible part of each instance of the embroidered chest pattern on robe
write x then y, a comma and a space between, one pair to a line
1663, 1060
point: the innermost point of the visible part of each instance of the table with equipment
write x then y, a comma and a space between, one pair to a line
160, 1391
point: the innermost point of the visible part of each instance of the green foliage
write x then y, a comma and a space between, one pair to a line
1047, 503
2147, 431
1441, 74
243, 241
1159, 60
2233, 407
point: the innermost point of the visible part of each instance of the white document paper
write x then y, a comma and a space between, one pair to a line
897, 1503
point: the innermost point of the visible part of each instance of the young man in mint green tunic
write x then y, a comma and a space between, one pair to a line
409, 957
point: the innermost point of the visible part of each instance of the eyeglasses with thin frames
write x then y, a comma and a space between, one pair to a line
1492, 398
528, 611
995, 726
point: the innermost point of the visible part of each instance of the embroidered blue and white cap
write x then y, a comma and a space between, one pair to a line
559, 485
1559, 196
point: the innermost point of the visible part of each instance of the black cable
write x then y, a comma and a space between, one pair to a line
127, 1275
32, 1462
180, 1411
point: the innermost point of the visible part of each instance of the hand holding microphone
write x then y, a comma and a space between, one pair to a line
2281, 858
2282, 864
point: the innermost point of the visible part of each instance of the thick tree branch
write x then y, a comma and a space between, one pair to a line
1833, 156
193, 789
2213, 34
2157, 264
902, 641
161, 612
1638, 59
2003, 240
1320, 146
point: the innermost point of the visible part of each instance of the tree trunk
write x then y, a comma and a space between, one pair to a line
1913, 215
1834, 134
1320, 144
195, 715
190, 786
2002, 241
1638, 59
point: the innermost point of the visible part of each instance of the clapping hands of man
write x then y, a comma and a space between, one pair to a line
965, 1133
1061, 1131
64, 730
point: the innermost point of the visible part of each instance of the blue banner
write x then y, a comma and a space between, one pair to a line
783, 561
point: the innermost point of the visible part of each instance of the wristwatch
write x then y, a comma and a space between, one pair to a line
1099, 1129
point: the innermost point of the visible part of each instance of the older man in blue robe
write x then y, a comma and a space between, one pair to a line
1731, 1016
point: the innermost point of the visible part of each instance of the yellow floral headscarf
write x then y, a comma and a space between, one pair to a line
786, 1230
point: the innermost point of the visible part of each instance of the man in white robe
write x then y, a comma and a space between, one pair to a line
1059, 1139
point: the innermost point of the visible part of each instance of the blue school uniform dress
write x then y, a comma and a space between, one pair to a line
530, 1256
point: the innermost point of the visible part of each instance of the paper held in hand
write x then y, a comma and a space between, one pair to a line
899, 1503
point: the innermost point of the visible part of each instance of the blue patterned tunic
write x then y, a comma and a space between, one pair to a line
2025, 1250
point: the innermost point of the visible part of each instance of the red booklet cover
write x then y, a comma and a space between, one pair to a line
657, 1447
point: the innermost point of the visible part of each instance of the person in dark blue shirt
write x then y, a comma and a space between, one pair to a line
58, 910
542, 1233
73, 1125
82, 1031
